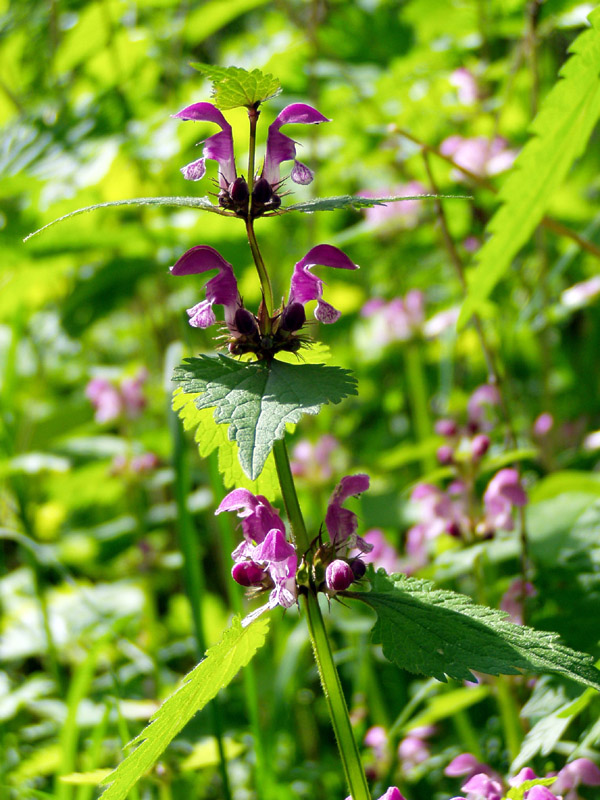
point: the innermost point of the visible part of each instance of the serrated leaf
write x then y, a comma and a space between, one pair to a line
209, 436
218, 668
445, 634
202, 203
257, 400
356, 202
234, 87
560, 133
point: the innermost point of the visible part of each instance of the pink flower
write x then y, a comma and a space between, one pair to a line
341, 522
503, 492
577, 772
466, 86
218, 147
480, 402
282, 148
220, 290
479, 155
382, 554
313, 461
543, 424
271, 561
413, 749
581, 294
306, 286
398, 320
112, 401
512, 599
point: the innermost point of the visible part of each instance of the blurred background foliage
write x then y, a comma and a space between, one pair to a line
97, 625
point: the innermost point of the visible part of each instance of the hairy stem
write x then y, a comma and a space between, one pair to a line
330, 680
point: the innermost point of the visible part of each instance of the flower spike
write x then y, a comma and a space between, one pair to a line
305, 286
282, 148
222, 289
218, 147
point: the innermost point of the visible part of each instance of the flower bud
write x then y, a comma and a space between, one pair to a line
446, 427
245, 322
445, 455
293, 317
262, 191
339, 575
479, 446
239, 191
358, 568
247, 573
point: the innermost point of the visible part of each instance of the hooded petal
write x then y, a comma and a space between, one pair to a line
281, 148
342, 523
305, 286
218, 147
257, 514
222, 289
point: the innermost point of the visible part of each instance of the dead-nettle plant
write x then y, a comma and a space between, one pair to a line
251, 393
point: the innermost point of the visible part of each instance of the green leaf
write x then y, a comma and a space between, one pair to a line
356, 202
234, 87
209, 436
202, 203
440, 633
560, 133
218, 668
258, 399
518, 792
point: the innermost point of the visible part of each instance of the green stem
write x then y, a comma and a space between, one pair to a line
509, 714
194, 577
253, 119
330, 681
263, 275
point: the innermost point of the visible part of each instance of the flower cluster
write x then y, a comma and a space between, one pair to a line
398, 320
112, 400
266, 560
234, 193
458, 510
249, 333
484, 784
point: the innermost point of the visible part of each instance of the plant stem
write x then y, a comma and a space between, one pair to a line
194, 577
263, 275
330, 681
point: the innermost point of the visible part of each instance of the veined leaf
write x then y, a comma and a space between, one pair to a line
518, 792
209, 437
202, 203
560, 133
234, 87
218, 668
445, 634
258, 399
352, 201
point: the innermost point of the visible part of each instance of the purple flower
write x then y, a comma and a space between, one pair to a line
399, 320
512, 600
218, 147
467, 764
543, 424
441, 322
503, 492
341, 522
382, 554
479, 405
413, 749
222, 289
112, 401
339, 575
305, 286
581, 294
481, 156
281, 148
393, 793
466, 86
482, 787
268, 560
313, 461
581, 771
